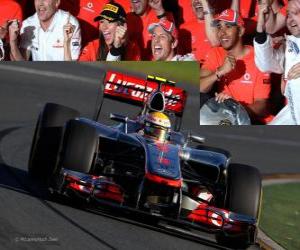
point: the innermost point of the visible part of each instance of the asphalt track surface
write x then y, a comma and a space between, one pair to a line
29, 220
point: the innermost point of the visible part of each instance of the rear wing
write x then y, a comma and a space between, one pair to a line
136, 90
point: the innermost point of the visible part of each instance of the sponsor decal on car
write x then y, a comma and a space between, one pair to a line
136, 89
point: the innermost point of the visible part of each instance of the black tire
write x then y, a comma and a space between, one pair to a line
243, 196
243, 190
47, 138
79, 147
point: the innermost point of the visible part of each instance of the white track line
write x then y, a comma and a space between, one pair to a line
47, 73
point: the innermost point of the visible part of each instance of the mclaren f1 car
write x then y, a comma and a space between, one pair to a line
145, 165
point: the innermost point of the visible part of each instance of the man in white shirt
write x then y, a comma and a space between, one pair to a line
165, 41
285, 60
45, 36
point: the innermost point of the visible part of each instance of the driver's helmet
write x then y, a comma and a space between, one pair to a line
157, 126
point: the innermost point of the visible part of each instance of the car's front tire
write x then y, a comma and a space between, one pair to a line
47, 138
79, 146
243, 196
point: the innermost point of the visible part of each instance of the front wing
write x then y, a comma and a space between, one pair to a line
104, 194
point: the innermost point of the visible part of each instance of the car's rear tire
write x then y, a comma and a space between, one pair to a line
47, 138
79, 147
243, 196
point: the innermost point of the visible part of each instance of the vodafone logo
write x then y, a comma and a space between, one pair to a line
247, 78
89, 7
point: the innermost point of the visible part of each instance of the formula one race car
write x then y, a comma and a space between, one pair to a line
145, 165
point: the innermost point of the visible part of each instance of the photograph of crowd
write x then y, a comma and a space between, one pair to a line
247, 50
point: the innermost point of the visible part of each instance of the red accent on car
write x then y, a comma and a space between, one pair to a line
137, 89
81, 188
203, 214
163, 181
215, 217
164, 161
163, 147
104, 190
102, 194
109, 187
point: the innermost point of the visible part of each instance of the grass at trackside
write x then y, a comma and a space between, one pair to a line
280, 218
184, 72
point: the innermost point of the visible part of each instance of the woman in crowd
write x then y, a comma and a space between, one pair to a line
113, 44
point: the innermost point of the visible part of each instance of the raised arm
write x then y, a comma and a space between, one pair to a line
68, 33
267, 59
235, 5
210, 30
16, 53
275, 20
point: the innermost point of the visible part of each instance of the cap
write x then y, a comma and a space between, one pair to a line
230, 16
112, 12
167, 25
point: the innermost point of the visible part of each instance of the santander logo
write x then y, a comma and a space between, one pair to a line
132, 87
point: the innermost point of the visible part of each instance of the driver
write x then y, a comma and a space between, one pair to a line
157, 126
232, 70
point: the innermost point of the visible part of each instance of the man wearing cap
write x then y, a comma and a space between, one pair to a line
164, 42
113, 44
197, 35
283, 60
144, 13
232, 71
50, 34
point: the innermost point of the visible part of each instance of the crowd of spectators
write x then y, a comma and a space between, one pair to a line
218, 34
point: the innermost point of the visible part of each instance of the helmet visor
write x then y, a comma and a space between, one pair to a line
157, 132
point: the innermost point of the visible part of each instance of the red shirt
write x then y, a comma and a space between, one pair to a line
90, 52
85, 11
247, 8
192, 39
9, 10
283, 10
138, 30
245, 83
187, 11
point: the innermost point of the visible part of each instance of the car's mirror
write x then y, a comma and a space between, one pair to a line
118, 118
196, 138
